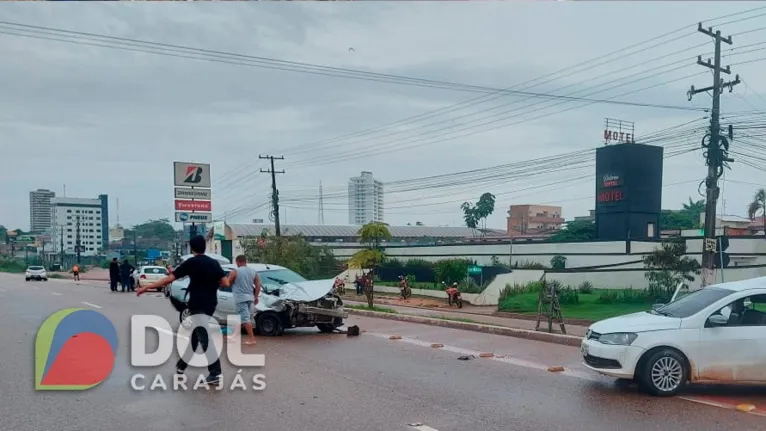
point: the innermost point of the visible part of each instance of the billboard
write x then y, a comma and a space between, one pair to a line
628, 191
191, 174
193, 217
187, 205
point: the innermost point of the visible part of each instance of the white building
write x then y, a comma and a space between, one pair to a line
365, 199
40, 210
93, 221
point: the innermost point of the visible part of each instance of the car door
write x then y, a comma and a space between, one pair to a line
226, 305
736, 352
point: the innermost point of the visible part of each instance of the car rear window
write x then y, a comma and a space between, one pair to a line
36, 268
162, 271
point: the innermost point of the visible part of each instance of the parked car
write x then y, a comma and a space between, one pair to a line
36, 273
713, 335
287, 300
149, 274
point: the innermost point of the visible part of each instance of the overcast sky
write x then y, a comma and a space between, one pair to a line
104, 120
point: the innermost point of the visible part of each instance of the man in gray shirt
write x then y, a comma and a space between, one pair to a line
245, 287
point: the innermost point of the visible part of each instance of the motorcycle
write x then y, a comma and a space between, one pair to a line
455, 298
340, 288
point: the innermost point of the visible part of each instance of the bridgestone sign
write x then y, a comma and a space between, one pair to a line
188, 193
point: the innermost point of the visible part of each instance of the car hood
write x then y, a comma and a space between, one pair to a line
303, 291
636, 322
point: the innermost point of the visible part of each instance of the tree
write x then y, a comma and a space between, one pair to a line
367, 259
667, 266
558, 262
451, 270
372, 234
474, 214
575, 231
670, 219
695, 208
758, 204
294, 252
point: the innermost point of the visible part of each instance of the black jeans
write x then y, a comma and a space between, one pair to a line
113, 284
199, 337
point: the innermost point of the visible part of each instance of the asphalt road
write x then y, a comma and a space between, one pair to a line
330, 381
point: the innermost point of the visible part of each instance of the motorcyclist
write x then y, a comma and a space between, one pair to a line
402, 286
453, 292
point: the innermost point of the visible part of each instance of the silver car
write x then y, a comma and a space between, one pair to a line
36, 273
287, 300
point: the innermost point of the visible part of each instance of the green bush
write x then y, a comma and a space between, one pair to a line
468, 285
608, 297
513, 290
529, 265
451, 270
567, 295
418, 263
12, 266
586, 287
626, 296
558, 262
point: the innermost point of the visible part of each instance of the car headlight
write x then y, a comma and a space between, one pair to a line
618, 338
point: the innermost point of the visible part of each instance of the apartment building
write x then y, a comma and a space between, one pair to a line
40, 210
533, 219
365, 199
90, 216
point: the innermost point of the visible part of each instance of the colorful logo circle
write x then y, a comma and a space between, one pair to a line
75, 350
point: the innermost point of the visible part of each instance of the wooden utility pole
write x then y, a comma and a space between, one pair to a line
717, 150
77, 240
274, 191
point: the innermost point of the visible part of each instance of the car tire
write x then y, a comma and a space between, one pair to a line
269, 324
182, 316
663, 373
45, 279
27, 279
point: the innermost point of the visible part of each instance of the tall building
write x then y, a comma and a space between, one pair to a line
533, 219
40, 210
365, 199
92, 216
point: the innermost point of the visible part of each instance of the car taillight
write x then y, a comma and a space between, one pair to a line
143, 277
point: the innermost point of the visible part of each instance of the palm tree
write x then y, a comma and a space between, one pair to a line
373, 234
758, 204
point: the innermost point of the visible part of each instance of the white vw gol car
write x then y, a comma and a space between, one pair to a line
713, 335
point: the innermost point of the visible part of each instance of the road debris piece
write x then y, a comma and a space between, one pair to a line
747, 408
466, 358
555, 369
395, 337
352, 331
437, 345
486, 355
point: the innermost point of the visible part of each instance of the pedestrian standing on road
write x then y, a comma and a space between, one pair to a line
114, 274
245, 287
76, 272
205, 276
125, 269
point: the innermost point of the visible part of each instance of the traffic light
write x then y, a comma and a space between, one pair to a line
722, 258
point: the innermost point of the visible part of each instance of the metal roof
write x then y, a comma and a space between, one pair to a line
245, 230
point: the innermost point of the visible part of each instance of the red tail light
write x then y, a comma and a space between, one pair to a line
142, 277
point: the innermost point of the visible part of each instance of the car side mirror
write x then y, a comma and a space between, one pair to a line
717, 320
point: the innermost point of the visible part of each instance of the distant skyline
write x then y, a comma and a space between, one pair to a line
112, 121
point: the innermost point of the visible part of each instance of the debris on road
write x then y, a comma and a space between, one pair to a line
466, 358
395, 337
746, 408
352, 331
437, 345
486, 355
555, 369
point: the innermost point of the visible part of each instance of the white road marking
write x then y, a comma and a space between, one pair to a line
55, 293
92, 305
421, 427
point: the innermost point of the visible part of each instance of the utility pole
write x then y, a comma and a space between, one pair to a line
135, 248
274, 191
321, 204
717, 149
77, 240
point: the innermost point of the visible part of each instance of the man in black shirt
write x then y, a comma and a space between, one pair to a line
114, 274
205, 276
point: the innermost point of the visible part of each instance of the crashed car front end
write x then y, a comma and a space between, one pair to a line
304, 304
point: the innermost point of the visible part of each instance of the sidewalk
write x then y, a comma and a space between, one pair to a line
474, 317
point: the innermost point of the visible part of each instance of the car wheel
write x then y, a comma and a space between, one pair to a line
166, 291
45, 279
664, 373
183, 318
27, 279
268, 324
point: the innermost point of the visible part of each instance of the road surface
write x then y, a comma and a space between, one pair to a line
331, 381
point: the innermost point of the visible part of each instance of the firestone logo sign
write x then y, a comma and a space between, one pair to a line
140, 325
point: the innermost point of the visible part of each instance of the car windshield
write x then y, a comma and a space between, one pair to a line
36, 268
693, 303
279, 277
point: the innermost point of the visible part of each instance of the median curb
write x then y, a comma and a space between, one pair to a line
566, 340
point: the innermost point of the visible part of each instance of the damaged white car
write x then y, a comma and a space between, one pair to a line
287, 300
